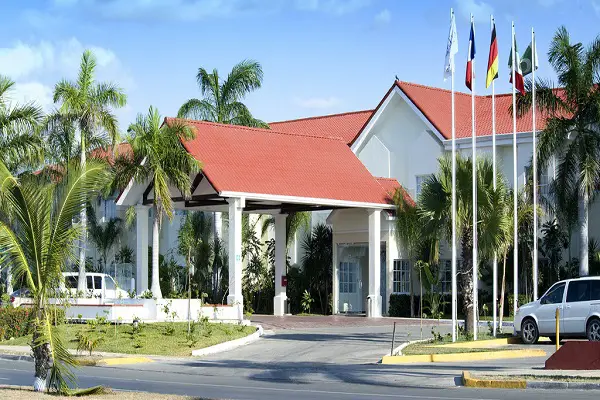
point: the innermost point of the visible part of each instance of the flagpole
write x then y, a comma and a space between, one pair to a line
454, 288
495, 262
535, 182
474, 176
515, 183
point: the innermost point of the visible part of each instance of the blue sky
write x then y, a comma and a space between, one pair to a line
319, 56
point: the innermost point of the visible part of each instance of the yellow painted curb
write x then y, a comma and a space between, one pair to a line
456, 357
469, 381
124, 361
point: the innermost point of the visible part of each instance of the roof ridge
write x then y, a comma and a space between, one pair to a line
253, 129
323, 116
386, 179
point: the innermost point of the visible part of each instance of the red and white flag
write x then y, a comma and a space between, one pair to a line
519, 84
470, 57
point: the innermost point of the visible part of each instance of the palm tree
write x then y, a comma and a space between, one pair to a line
37, 245
20, 145
88, 106
222, 99
572, 134
293, 223
159, 158
317, 263
408, 232
104, 235
436, 216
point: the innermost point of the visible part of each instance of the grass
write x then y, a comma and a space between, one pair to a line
28, 394
432, 347
153, 339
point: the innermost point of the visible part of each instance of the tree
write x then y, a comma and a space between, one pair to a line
159, 158
88, 106
435, 215
20, 145
572, 134
222, 99
293, 223
37, 245
104, 235
408, 231
317, 263
195, 244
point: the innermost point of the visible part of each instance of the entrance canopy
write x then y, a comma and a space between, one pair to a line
274, 172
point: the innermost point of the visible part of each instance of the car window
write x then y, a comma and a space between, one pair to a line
554, 295
109, 283
90, 283
71, 282
578, 291
595, 289
98, 282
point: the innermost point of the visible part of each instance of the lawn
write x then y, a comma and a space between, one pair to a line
432, 347
152, 339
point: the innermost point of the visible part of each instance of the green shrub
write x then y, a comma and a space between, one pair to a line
521, 299
400, 305
15, 322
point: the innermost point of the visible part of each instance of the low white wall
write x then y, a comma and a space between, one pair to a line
125, 310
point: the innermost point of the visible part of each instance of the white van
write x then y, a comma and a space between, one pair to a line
97, 285
579, 303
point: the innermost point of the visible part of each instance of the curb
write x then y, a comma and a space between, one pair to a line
232, 344
477, 356
398, 350
16, 357
106, 362
469, 381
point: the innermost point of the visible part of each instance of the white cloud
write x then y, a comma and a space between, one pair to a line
36, 67
193, 10
383, 18
480, 9
317, 102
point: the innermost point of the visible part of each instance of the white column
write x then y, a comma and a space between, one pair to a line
374, 263
235, 252
280, 265
141, 253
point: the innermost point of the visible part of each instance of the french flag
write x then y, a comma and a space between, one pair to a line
470, 58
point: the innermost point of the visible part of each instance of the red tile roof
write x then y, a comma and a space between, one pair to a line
108, 155
435, 104
391, 185
269, 162
344, 126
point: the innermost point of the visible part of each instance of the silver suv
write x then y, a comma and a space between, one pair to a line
579, 303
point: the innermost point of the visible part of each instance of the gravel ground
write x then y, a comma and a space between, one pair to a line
28, 394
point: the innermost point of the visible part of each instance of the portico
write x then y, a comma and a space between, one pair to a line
260, 171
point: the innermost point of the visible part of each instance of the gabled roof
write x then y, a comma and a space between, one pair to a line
244, 160
435, 104
345, 126
123, 149
391, 185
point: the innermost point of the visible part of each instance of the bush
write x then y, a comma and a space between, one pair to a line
15, 322
400, 305
522, 299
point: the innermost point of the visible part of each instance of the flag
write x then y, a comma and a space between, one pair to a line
528, 61
451, 49
492, 69
519, 84
470, 58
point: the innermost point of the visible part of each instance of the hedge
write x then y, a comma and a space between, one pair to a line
400, 305
18, 322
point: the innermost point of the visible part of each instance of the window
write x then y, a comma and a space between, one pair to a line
98, 282
109, 283
401, 276
446, 275
578, 291
419, 185
110, 209
554, 295
348, 278
544, 183
595, 289
71, 282
90, 283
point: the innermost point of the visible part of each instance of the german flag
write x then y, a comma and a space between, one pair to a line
492, 69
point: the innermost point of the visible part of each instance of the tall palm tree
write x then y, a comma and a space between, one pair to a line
88, 106
435, 215
572, 134
293, 223
20, 144
38, 244
222, 99
408, 231
159, 158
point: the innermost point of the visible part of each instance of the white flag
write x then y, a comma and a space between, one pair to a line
451, 49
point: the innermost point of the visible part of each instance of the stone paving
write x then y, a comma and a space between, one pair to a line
271, 322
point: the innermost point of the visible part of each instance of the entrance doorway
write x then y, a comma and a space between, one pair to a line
352, 259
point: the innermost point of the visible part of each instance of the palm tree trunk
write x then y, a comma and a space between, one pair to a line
502, 290
81, 285
467, 281
583, 235
41, 356
155, 288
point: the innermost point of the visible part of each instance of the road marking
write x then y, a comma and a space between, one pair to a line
264, 388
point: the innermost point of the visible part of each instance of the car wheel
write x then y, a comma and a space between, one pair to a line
593, 330
529, 331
